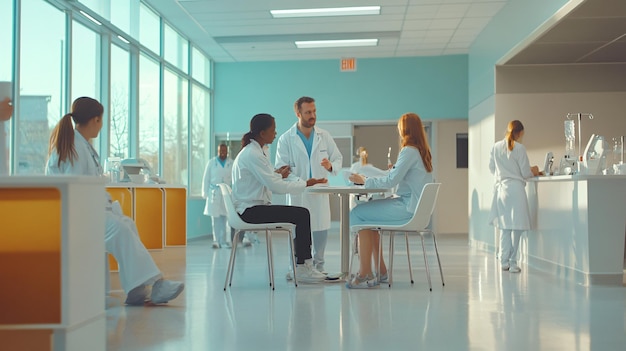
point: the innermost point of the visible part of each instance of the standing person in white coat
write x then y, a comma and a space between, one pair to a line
310, 152
71, 152
254, 180
218, 170
509, 208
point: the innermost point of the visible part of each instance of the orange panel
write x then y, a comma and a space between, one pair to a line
113, 266
175, 217
149, 216
30, 255
124, 197
26, 340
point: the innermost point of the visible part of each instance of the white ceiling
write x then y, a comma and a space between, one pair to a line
244, 30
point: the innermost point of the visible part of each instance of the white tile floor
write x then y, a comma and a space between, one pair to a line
480, 307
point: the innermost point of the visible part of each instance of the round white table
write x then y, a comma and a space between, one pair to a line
344, 219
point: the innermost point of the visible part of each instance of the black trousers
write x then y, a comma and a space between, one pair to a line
299, 216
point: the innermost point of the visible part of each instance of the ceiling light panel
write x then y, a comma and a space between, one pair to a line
324, 12
311, 44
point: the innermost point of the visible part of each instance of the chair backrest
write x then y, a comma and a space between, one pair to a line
425, 207
231, 213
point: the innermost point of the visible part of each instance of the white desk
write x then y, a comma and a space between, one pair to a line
344, 219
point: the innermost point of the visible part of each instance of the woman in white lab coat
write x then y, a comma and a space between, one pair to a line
410, 173
71, 152
254, 180
218, 170
509, 208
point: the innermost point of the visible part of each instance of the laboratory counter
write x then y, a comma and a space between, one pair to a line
578, 227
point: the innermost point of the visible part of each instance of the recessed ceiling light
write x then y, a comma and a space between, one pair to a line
311, 44
336, 11
90, 18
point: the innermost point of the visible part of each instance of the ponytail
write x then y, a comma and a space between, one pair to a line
258, 123
246, 139
62, 140
513, 130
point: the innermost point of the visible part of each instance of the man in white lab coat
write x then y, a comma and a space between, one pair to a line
218, 170
310, 152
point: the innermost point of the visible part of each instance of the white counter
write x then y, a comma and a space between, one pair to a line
51, 248
579, 225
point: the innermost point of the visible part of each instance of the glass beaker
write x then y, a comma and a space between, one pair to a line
114, 165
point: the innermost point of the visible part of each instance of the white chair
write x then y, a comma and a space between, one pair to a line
240, 227
417, 224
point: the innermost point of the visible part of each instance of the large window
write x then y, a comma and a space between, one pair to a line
200, 136
42, 76
201, 67
85, 65
149, 29
120, 111
175, 117
149, 111
6, 66
176, 49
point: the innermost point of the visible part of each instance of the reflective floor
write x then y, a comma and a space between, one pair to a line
479, 308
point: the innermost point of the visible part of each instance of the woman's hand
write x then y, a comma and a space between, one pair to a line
535, 170
314, 181
283, 171
357, 178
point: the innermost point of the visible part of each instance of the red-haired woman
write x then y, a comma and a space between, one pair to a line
411, 172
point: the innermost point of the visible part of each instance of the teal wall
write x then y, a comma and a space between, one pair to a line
380, 89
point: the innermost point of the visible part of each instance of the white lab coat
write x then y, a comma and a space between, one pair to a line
509, 206
292, 152
254, 179
214, 174
121, 238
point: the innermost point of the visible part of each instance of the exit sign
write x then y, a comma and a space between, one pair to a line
348, 64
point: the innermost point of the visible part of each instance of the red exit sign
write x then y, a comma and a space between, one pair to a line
348, 64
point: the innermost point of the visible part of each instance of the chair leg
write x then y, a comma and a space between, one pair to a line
408, 256
293, 257
355, 251
430, 286
438, 260
391, 254
231, 262
270, 257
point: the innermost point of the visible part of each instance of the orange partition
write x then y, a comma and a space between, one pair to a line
23, 340
149, 216
175, 216
30, 256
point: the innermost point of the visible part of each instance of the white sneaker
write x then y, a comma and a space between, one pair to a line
165, 290
246, 242
306, 273
505, 267
514, 268
137, 296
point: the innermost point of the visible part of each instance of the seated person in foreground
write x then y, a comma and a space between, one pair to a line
71, 152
